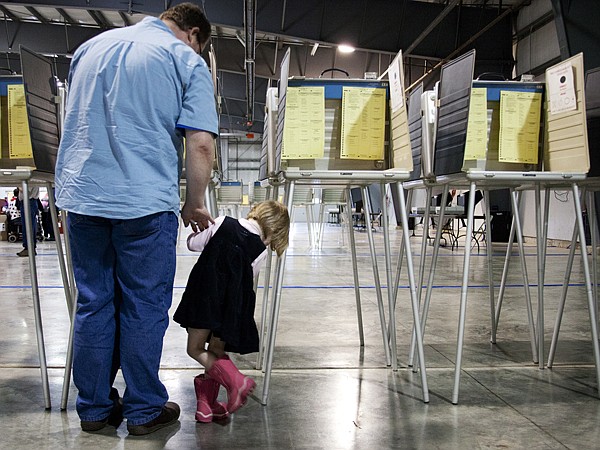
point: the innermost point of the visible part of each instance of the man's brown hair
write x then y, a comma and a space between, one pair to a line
186, 16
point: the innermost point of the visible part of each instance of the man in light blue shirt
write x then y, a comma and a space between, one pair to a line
134, 94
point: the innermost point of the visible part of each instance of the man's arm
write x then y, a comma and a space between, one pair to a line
200, 154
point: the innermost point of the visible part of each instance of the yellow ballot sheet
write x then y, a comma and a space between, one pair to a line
519, 126
363, 123
304, 126
476, 145
19, 140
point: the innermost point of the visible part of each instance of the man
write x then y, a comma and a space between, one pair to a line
133, 93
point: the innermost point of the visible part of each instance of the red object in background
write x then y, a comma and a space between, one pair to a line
250, 135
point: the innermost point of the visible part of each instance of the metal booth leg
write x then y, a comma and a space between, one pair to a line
276, 304
403, 245
563, 296
501, 289
66, 271
265, 302
413, 295
388, 272
352, 243
401, 252
591, 209
263, 315
430, 279
516, 228
490, 262
39, 330
59, 249
516, 205
463, 295
540, 262
367, 212
590, 296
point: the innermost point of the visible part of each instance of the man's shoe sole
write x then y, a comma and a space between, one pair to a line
114, 419
90, 427
170, 408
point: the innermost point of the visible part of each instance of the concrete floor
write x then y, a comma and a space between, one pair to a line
326, 391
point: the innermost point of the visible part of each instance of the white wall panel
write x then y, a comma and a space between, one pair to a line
537, 48
532, 12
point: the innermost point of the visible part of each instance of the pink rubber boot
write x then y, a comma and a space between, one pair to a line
238, 386
208, 408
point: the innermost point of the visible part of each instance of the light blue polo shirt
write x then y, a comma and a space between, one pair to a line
132, 92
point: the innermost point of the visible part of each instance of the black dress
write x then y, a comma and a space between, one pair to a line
219, 295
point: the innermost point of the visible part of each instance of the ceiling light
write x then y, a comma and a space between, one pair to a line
344, 48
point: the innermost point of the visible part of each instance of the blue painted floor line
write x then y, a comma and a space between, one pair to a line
437, 286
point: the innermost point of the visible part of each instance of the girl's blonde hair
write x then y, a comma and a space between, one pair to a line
274, 221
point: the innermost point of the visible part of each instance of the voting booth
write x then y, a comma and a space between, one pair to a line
30, 115
516, 135
591, 187
341, 133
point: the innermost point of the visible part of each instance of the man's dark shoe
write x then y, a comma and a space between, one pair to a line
114, 419
168, 416
24, 253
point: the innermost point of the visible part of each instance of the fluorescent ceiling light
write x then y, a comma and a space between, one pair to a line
344, 48
314, 49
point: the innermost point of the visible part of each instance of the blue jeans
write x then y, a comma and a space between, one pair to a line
124, 272
33, 206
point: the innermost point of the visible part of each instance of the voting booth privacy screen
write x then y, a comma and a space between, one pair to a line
452, 115
415, 128
565, 141
41, 93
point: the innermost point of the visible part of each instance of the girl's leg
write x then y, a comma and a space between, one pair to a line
217, 347
196, 344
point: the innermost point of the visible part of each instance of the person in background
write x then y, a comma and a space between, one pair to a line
47, 218
134, 94
13, 206
217, 307
33, 198
13, 215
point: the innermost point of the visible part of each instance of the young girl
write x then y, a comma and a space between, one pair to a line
217, 306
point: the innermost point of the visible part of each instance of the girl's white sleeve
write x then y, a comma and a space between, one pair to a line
258, 262
198, 240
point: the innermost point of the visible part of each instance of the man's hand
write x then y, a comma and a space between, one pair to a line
198, 217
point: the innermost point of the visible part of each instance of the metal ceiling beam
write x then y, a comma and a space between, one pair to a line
37, 14
99, 19
125, 17
66, 16
147, 6
9, 14
456, 52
